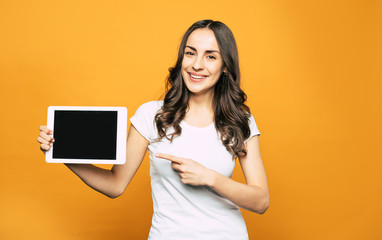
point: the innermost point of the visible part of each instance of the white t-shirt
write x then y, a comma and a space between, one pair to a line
181, 211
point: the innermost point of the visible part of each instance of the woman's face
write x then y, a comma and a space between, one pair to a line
202, 62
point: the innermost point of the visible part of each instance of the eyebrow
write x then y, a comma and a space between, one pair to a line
207, 51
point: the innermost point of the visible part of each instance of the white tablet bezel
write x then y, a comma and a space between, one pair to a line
121, 135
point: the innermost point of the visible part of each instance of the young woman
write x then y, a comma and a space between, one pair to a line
193, 136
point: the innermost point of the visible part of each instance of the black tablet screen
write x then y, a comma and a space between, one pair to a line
85, 134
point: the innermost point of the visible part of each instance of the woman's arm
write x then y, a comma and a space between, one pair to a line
253, 195
112, 182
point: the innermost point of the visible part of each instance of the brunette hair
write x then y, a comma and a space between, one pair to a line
230, 112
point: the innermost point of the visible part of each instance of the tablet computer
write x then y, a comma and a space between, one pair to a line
87, 135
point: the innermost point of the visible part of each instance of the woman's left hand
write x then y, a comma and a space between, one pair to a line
190, 172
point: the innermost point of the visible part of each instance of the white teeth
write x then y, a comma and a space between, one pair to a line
197, 77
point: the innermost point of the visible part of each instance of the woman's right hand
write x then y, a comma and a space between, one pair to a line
45, 138
112, 182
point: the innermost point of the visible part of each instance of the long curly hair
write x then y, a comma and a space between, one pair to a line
230, 112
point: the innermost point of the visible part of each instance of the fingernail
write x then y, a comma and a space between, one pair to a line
157, 155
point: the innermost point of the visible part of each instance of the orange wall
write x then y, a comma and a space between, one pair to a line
312, 72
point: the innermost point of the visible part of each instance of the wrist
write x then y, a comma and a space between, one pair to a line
211, 180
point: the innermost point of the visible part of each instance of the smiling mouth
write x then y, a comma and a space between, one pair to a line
197, 77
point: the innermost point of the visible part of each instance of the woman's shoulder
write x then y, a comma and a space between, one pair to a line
253, 126
148, 110
143, 119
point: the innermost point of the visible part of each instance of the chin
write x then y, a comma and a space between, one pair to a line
198, 90
192, 89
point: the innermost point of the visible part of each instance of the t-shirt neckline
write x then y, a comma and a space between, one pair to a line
184, 123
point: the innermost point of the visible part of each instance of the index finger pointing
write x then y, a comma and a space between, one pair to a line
169, 157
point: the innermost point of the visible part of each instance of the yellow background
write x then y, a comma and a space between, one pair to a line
312, 72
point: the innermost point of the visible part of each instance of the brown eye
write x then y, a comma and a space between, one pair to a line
189, 53
211, 57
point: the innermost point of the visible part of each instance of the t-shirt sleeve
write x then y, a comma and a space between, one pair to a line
143, 120
253, 128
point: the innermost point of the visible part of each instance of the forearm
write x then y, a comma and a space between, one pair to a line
101, 180
250, 197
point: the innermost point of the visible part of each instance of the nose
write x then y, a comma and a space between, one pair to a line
198, 64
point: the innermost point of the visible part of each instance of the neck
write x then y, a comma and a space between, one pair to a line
201, 107
201, 102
